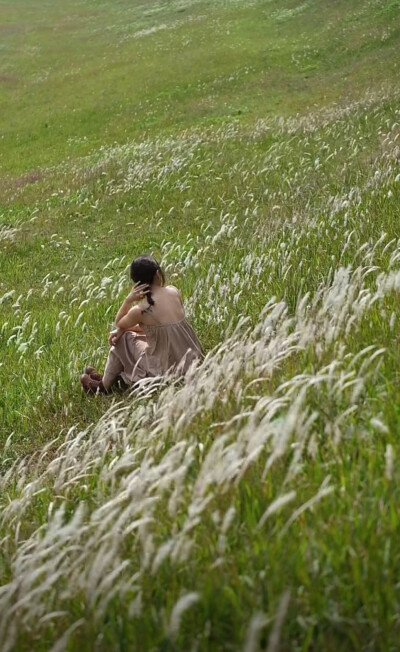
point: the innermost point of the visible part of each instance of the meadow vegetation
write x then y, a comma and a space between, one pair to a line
253, 147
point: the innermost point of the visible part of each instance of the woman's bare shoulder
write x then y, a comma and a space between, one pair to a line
172, 289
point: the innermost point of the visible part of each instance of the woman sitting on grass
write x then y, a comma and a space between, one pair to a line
152, 338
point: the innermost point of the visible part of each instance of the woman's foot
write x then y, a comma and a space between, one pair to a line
93, 373
92, 386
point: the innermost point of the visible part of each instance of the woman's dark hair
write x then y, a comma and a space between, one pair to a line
143, 270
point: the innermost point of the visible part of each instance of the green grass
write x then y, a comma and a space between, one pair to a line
80, 75
254, 149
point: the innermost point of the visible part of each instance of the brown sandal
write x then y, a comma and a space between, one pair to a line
93, 373
92, 386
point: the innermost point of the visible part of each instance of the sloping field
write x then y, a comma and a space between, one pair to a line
254, 147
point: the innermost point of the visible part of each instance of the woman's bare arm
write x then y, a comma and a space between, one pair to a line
131, 318
137, 293
128, 318
137, 329
126, 322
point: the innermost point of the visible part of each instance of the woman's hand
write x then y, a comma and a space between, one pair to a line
137, 329
137, 293
115, 336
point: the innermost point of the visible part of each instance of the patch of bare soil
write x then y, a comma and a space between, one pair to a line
10, 187
8, 79
30, 177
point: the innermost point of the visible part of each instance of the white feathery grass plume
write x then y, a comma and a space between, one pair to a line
274, 638
276, 505
389, 462
257, 623
379, 425
61, 644
324, 490
183, 604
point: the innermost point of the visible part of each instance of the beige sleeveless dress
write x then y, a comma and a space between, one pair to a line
165, 349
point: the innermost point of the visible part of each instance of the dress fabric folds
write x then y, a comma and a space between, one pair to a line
164, 349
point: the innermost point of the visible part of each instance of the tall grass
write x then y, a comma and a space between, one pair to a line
255, 505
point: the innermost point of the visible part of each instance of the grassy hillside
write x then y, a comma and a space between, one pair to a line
254, 148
